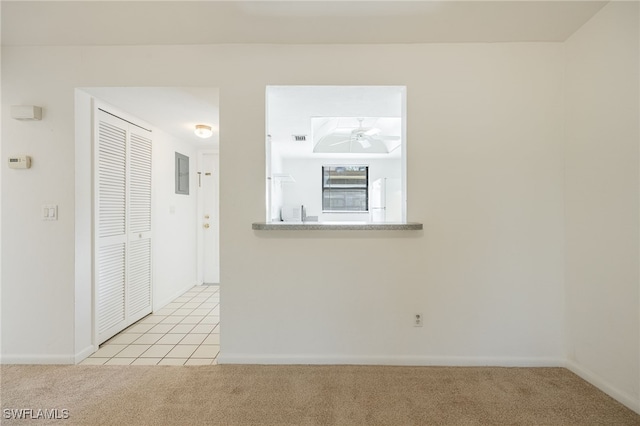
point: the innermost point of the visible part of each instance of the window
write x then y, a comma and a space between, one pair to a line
329, 129
345, 188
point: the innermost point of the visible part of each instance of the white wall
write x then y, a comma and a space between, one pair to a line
602, 215
307, 190
38, 268
83, 208
174, 254
209, 249
175, 226
484, 176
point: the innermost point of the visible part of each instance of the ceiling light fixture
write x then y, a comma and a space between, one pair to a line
203, 131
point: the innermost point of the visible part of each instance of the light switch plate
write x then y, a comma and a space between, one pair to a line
49, 212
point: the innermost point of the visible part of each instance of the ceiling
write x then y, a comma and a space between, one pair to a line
301, 22
175, 110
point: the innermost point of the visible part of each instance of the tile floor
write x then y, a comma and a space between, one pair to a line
184, 332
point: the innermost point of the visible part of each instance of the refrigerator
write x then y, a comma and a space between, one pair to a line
385, 201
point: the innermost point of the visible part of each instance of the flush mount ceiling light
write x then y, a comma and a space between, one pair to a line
203, 131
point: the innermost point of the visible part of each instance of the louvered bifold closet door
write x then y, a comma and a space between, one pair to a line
111, 217
139, 276
123, 224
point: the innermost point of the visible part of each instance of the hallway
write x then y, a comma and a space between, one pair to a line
184, 332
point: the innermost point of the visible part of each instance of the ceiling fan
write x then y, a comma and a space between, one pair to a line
360, 139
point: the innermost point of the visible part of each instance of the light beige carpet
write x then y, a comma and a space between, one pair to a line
308, 395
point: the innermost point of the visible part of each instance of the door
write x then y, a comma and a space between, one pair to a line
139, 226
122, 221
210, 223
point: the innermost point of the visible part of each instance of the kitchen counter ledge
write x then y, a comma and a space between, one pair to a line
335, 226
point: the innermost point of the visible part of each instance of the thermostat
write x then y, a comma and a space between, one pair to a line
21, 162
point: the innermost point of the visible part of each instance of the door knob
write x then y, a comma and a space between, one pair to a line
206, 216
206, 226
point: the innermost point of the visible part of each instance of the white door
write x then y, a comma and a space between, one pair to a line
111, 225
139, 256
210, 222
122, 201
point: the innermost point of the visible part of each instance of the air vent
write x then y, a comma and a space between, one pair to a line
299, 138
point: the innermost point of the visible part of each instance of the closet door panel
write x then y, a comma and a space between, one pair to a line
111, 220
139, 278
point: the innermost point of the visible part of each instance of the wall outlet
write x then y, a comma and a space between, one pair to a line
417, 320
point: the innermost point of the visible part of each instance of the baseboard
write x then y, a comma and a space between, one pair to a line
80, 356
597, 381
390, 360
37, 359
159, 305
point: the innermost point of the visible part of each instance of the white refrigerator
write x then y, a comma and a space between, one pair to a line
385, 200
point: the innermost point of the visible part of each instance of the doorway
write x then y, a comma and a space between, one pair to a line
172, 113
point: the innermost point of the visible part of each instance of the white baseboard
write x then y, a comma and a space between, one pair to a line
597, 381
37, 359
161, 304
390, 360
84, 354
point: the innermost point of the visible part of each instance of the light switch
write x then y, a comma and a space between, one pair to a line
50, 212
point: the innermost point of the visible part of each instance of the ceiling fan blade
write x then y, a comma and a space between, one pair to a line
390, 143
333, 143
334, 137
364, 142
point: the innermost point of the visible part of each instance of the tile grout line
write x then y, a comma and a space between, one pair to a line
207, 295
